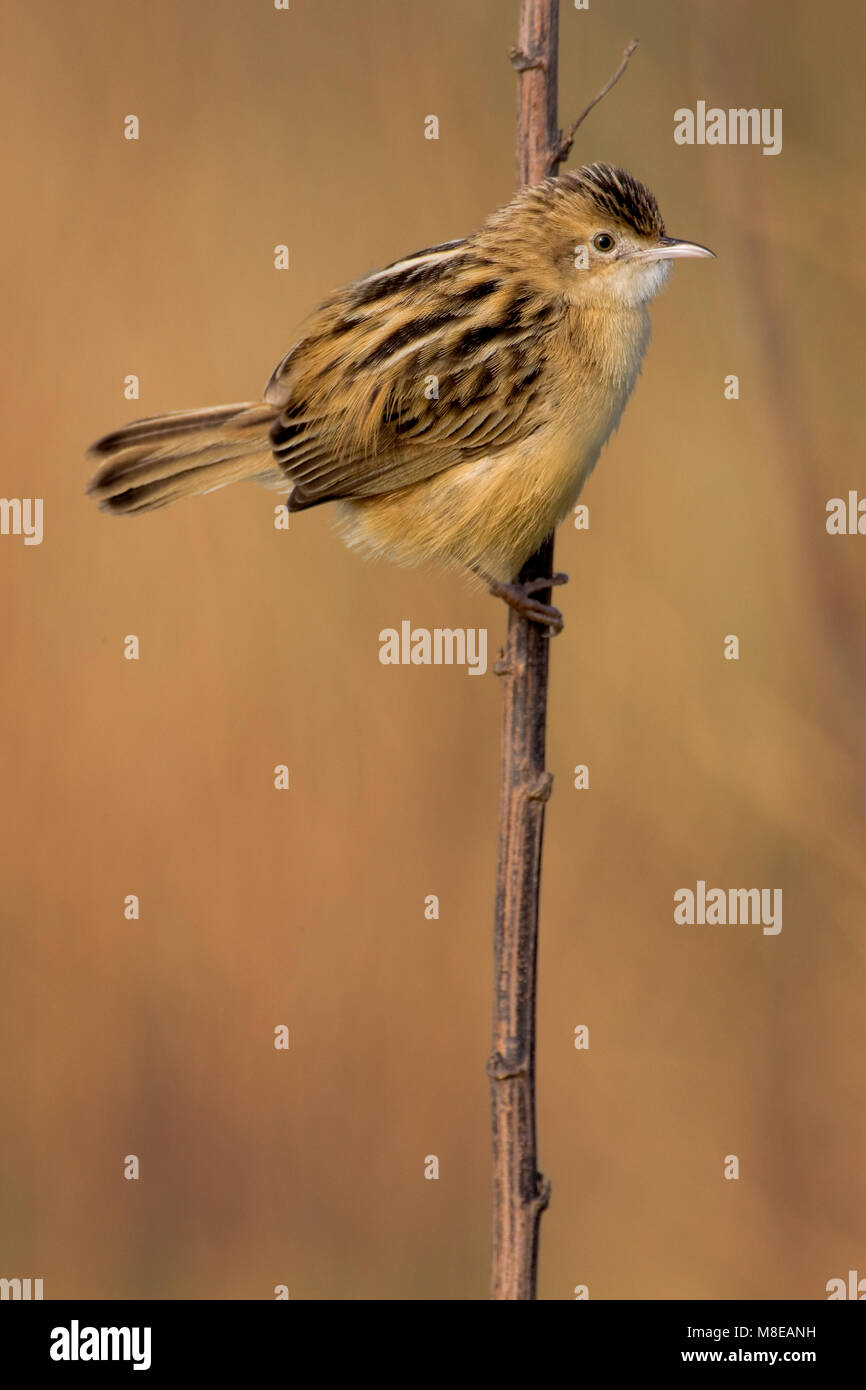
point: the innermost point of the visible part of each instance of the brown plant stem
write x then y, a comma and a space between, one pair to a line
520, 1192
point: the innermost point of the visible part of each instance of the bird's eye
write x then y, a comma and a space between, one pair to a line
603, 241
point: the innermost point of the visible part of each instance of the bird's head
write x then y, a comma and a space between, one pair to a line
595, 235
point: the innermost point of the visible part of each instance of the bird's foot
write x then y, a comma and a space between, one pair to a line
519, 597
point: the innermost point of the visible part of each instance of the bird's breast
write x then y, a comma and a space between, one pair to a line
593, 371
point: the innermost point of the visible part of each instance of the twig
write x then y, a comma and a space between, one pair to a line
520, 1192
563, 147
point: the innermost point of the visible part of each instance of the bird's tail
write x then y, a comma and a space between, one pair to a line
152, 462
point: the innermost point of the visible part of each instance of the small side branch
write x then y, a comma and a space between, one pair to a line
563, 148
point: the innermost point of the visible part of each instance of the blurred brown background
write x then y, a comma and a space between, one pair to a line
306, 908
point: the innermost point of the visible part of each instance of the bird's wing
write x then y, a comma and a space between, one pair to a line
429, 363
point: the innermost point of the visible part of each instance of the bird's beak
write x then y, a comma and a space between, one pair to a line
668, 247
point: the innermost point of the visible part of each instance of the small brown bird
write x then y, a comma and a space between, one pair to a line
452, 404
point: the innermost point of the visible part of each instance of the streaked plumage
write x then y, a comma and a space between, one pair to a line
452, 404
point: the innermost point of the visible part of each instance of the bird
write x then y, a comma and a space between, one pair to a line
453, 404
